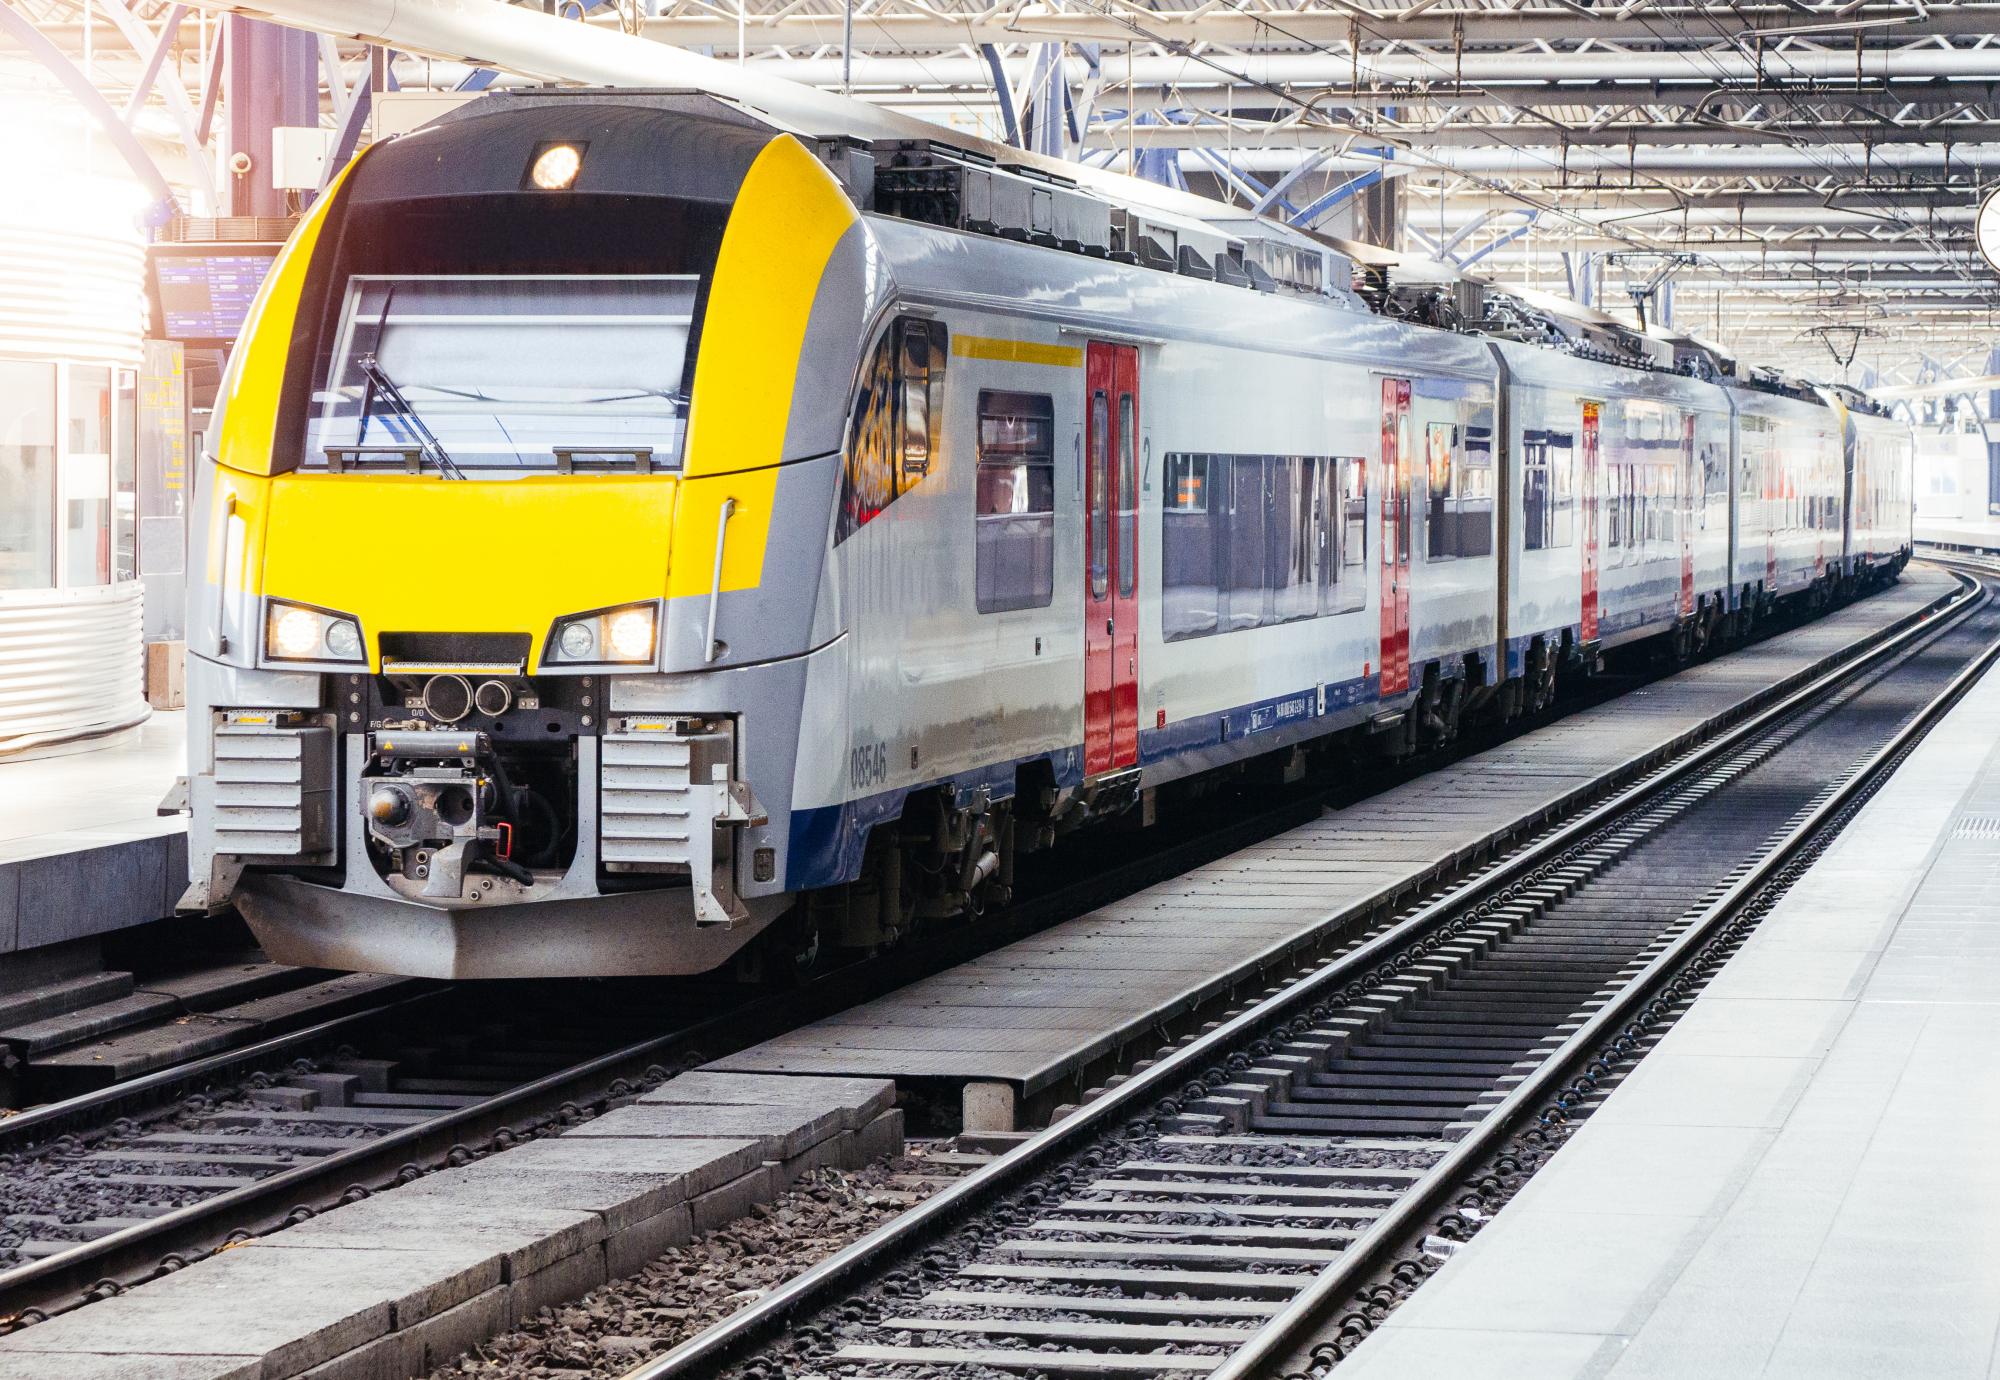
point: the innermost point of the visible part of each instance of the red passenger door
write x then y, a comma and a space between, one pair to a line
1395, 536
1590, 457
1111, 560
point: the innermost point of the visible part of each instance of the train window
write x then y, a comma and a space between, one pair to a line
1440, 461
591, 363
1293, 544
1016, 533
1100, 497
1548, 489
1189, 590
1614, 505
897, 422
1246, 582
920, 374
1248, 541
1128, 496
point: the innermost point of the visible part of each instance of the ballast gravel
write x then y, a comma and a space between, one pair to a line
614, 1328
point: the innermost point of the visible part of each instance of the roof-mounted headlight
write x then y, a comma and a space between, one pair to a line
299, 632
624, 636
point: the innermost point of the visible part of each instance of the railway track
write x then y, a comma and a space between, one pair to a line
112, 1187
1256, 1199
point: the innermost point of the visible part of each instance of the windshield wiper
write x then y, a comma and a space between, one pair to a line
380, 382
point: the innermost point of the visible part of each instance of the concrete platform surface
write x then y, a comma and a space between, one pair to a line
83, 847
1024, 1017
400, 1283
1799, 1181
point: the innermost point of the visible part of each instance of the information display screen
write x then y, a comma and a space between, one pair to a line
203, 292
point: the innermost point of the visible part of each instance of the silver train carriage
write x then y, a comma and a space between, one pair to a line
631, 530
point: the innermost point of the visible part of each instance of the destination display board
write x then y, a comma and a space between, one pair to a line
202, 292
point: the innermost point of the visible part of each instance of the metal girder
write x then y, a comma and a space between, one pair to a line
1314, 24
1722, 63
129, 148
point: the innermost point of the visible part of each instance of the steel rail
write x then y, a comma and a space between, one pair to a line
57, 1282
26, 1130
842, 1274
1292, 1329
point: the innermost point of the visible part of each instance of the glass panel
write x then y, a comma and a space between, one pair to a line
27, 475
1354, 544
1248, 526
86, 519
1475, 493
125, 478
1293, 594
915, 378
1562, 490
1440, 446
1128, 497
1190, 593
1100, 496
86, 477
868, 481
504, 369
1015, 520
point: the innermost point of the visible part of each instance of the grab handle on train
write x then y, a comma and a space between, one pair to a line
222, 576
713, 648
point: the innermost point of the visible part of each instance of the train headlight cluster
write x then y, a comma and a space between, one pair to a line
296, 632
627, 635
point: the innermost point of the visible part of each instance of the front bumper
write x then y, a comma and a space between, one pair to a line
641, 933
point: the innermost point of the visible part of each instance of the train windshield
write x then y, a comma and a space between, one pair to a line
514, 373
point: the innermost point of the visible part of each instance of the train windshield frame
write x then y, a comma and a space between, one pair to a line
511, 373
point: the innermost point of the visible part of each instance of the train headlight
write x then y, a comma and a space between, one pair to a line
627, 635
578, 641
295, 632
556, 166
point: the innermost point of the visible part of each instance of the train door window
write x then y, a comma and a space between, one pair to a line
1128, 496
1100, 496
1016, 534
896, 424
1354, 512
1190, 593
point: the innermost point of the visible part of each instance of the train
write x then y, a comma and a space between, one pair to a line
638, 538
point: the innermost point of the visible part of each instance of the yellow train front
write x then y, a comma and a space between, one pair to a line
511, 543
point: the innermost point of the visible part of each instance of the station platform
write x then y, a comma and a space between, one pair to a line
83, 847
1048, 1011
1798, 1180
1979, 534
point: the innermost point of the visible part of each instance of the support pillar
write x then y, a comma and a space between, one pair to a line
272, 80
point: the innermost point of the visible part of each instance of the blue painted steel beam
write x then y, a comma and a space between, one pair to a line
1251, 188
1276, 195
1001, 93
1507, 238
349, 134
169, 31
92, 100
1313, 210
